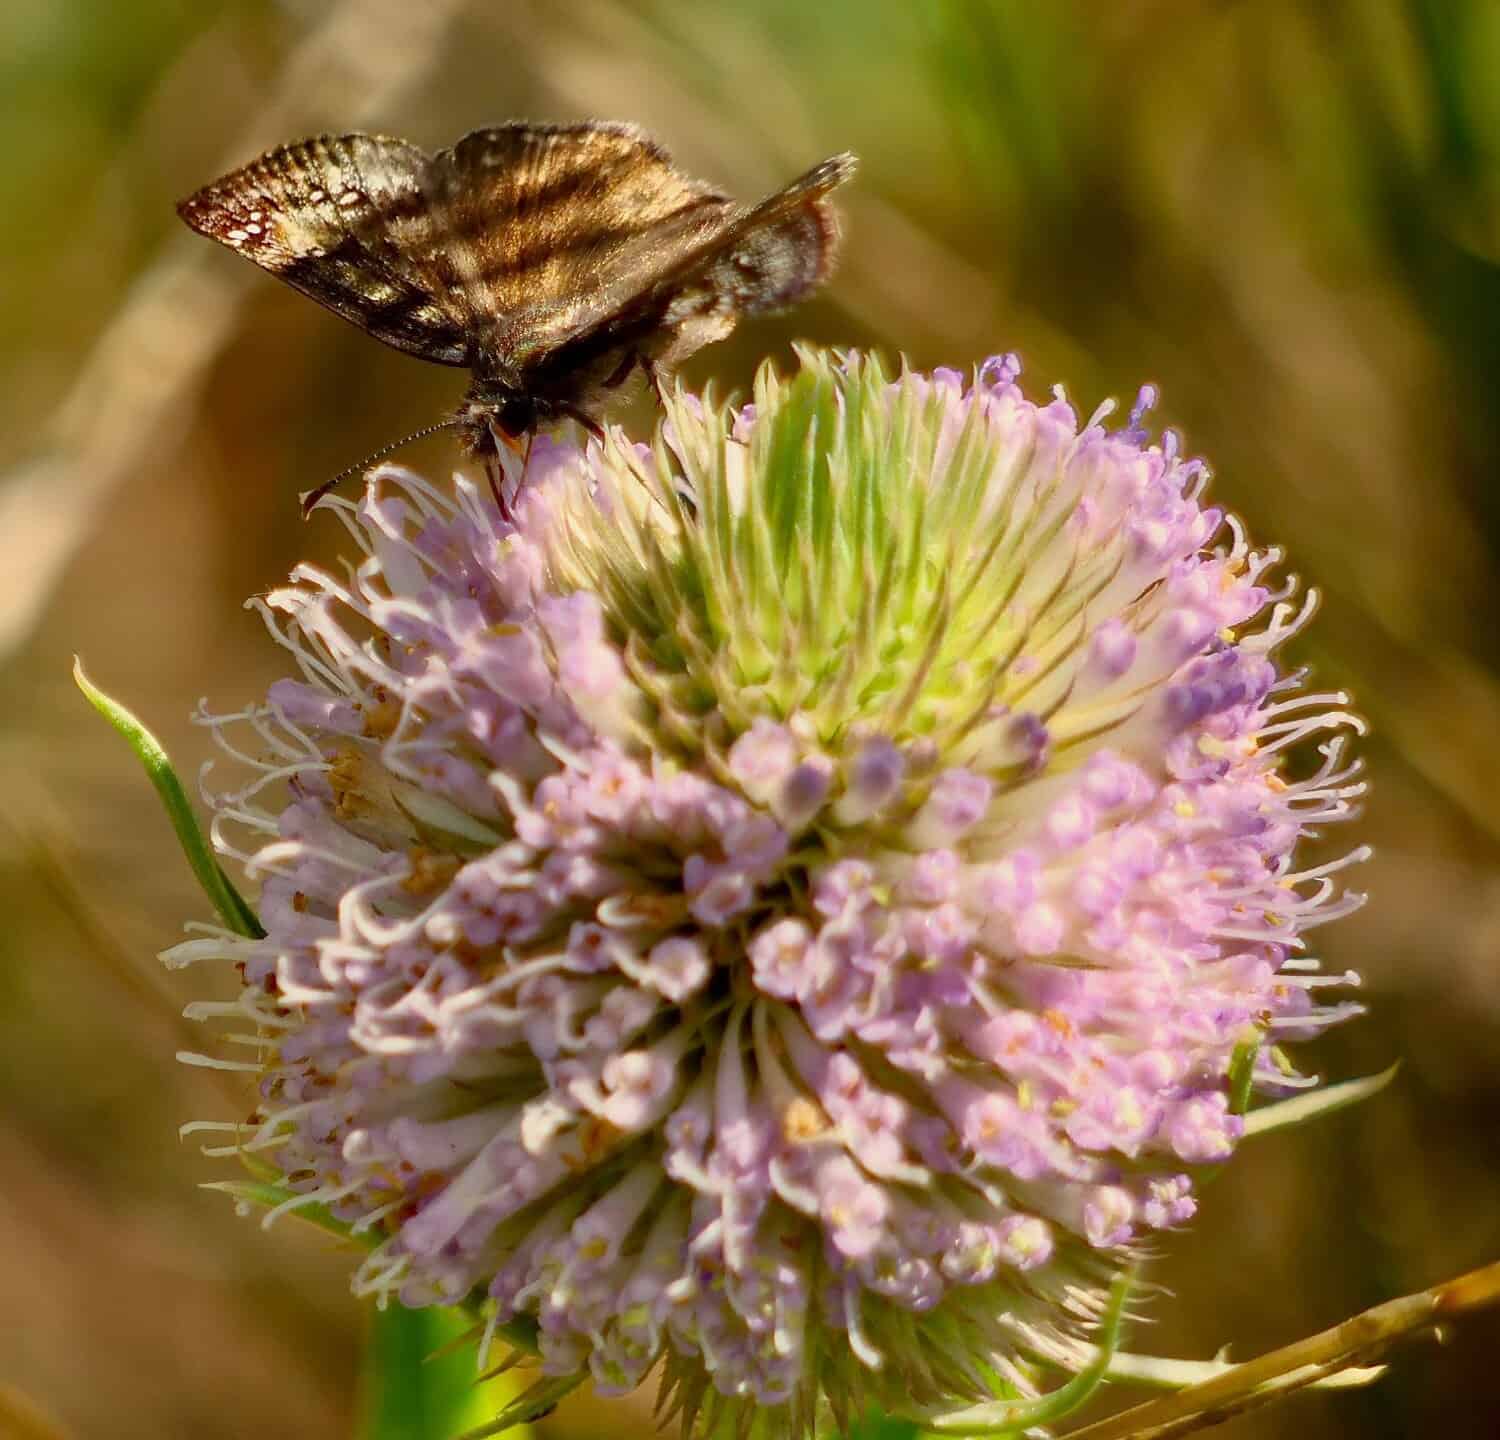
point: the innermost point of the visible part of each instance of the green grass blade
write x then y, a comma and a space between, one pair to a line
1302, 1108
231, 905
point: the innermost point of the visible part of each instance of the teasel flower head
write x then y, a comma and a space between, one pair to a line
793, 905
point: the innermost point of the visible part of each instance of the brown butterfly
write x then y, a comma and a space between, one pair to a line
551, 260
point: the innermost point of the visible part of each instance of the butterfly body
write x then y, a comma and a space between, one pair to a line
551, 261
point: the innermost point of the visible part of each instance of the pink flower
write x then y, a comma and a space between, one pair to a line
747, 904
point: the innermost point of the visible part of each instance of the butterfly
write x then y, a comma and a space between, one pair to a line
553, 261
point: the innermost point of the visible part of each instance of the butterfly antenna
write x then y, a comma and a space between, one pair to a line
311, 497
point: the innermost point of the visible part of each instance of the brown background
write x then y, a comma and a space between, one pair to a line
1288, 215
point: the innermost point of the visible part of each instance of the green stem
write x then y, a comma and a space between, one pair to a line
419, 1380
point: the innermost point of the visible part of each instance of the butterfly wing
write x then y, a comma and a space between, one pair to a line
674, 291
539, 255
768, 259
537, 216
348, 221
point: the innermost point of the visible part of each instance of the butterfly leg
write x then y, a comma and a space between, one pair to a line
494, 469
587, 421
496, 476
653, 378
622, 370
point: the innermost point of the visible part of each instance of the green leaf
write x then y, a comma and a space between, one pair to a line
1242, 1075
1316, 1103
232, 907
1012, 1417
419, 1380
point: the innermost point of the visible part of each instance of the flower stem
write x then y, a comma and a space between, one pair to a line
419, 1381
1356, 1341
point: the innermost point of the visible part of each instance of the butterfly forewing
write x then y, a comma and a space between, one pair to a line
539, 216
346, 220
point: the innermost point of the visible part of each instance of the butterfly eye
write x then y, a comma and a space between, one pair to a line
516, 415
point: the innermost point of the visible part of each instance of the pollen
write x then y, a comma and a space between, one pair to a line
802, 1120
381, 716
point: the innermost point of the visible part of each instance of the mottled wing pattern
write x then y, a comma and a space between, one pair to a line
347, 221
550, 259
538, 215
664, 300
768, 258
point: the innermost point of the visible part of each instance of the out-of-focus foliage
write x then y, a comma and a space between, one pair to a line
1287, 215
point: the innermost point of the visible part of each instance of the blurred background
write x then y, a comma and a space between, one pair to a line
1287, 215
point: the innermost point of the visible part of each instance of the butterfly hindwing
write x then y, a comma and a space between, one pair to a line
345, 220
663, 306
768, 257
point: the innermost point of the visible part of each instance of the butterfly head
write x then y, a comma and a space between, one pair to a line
494, 407
513, 414
498, 408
